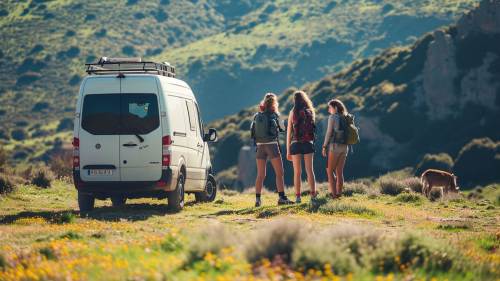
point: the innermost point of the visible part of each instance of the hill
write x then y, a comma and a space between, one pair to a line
229, 51
361, 237
433, 103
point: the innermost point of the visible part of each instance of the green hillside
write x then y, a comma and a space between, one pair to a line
227, 50
434, 103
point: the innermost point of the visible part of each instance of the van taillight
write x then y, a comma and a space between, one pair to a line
76, 154
166, 152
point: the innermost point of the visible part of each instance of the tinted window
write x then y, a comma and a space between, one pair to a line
101, 114
139, 113
126, 114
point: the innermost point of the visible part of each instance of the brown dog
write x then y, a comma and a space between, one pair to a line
445, 180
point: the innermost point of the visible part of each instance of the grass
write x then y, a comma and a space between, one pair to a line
41, 230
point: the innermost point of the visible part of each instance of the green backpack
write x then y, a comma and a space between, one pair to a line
265, 127
350, 129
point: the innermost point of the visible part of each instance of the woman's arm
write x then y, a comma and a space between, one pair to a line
289, 134
329, 131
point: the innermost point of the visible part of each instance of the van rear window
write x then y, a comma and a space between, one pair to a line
125, 114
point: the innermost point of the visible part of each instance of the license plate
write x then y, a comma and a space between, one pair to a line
100, 172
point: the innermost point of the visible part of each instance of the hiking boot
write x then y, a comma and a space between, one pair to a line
298, 200
258, 202
284, 201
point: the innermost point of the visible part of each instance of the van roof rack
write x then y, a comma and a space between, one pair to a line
107, 65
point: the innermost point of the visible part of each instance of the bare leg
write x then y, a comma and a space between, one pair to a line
339, 171
261, 175
297, 172
278, 170
330, 172
311, 178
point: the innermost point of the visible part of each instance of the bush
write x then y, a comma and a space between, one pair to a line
42, 177
71, 235
212, 239
18, 134
441, 161
6, 184
412, 252
351, 188
333, 207
4, 157
478, 162
413, 184
341, 247
61, 163
409, 198
277, 239
65, 125
390, 186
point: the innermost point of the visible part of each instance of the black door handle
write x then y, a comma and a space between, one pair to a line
129, 144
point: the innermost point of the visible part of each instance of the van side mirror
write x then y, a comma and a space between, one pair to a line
211, 135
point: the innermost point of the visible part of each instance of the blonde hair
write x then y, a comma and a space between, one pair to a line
269, 103
302, 101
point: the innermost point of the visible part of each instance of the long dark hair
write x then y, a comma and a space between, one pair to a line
301, 101
339, 106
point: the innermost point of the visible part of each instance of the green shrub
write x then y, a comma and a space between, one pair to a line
342, 247
478, 162
6, 184
454, 225
351, 188
18, 134
334, 207
3, 261
71, 235
211, 239
314, 205
49, 253
412, 252
414, 184
277, 239
4, 157
441, 161
61, 163
171, 244
42, 177
409, 198
65, 217
391, 186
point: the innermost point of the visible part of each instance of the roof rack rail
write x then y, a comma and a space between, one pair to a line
107, 65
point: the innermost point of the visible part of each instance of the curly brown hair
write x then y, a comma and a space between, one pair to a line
269, 103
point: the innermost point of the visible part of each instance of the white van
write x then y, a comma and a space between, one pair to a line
138, 133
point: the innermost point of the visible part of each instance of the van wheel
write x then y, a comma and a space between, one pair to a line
208, 195
118, 201
85, 202
176, 197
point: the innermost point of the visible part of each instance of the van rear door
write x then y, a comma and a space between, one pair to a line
141, 133
99, 130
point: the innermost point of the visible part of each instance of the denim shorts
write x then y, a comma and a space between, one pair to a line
268, 151
301, 148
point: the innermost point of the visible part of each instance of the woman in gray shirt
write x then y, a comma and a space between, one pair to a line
334, 145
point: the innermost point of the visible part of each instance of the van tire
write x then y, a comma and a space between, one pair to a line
207, 195
85, 202
176, 197
118, 201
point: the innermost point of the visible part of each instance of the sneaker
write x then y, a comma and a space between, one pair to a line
298, 200
258, 202
284, 201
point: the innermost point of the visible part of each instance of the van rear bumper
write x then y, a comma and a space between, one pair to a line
130, 189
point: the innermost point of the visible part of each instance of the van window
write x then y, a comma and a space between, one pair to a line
139, 113
101, 114
126, 114
192, 115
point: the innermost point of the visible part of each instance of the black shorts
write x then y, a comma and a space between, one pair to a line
301, 148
